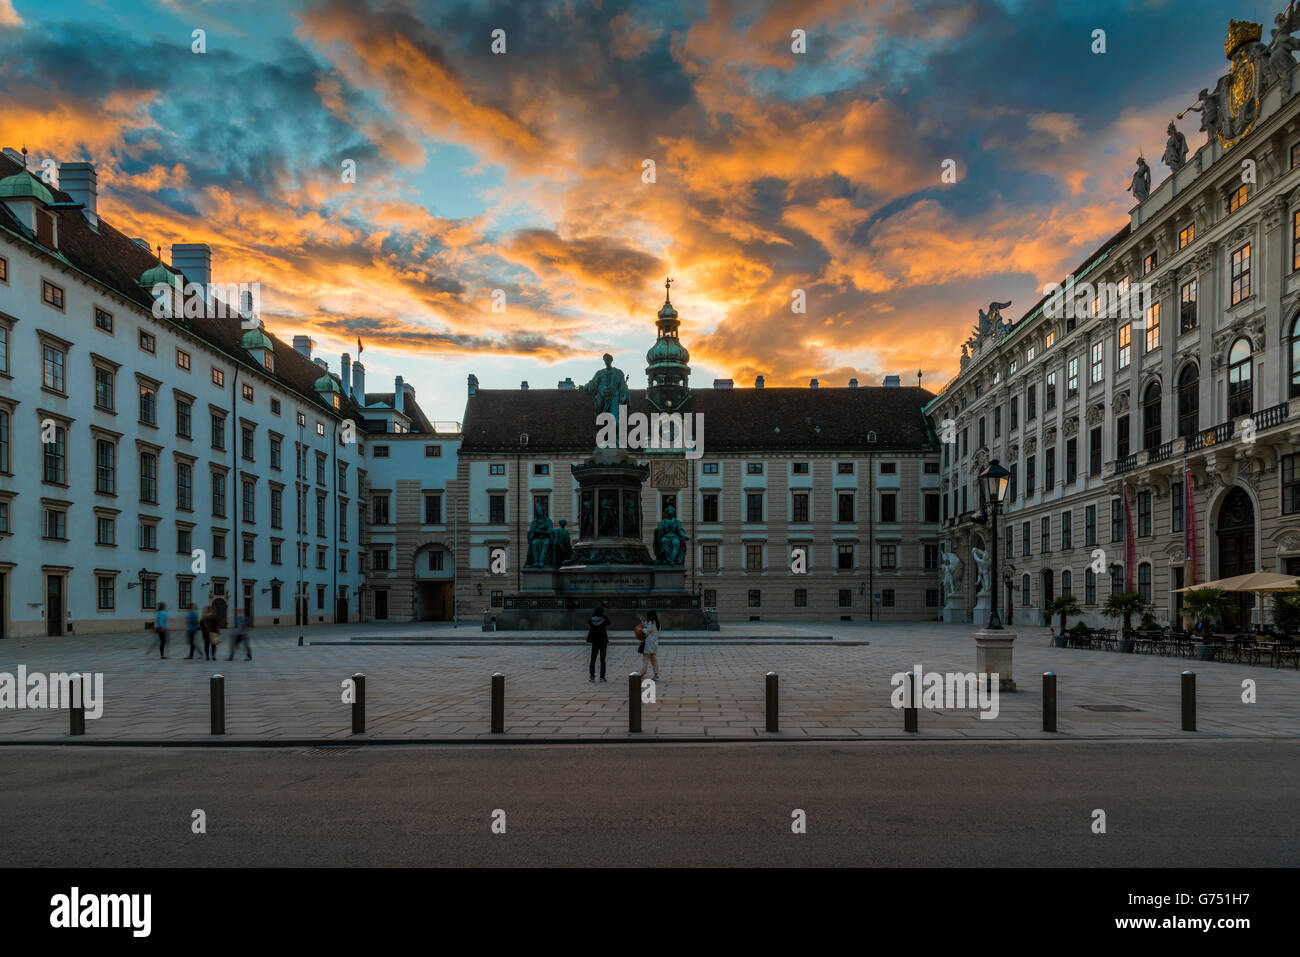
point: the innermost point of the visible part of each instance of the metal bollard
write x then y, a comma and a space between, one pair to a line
77, 709
1049, 701
634, 703
1189, 700
218, 696
909, 714
498, 703
358, 703
773, 703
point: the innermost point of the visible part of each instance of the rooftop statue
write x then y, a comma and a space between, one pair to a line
1141, 185
1211, 120
1279, 62
1175, 149
991, 320
609, 387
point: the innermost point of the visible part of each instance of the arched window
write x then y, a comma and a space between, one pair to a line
1240, 394
1295, 358
1151, 416
1089, 586
1189, 400
1144, 582
1024, 590
1067, 583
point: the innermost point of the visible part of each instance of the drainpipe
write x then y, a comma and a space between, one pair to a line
519, 539
238, 544
871, 537
334, 506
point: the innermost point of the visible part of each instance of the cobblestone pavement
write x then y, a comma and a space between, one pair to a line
440, 690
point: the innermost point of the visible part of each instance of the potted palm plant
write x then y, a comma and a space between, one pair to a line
1124, 605
1207, 605
1286, 611
1063, 605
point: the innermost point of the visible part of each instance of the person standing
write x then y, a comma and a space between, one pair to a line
650, 644
191, 628
598, 638
209, 626
160, 628
241, 634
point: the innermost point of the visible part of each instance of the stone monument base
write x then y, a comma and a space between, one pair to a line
562, 599
980, 614
993, 656
954, 612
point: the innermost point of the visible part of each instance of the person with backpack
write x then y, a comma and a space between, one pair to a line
241, 634
210, 628
648, 632
191, 627
598, 638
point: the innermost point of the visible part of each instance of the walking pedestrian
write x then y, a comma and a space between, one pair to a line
598, 638
650, 642
160, 628
242, 627
210, 627
191, 628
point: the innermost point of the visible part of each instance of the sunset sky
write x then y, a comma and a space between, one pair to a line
522, 171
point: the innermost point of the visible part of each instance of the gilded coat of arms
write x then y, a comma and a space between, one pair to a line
1241, 87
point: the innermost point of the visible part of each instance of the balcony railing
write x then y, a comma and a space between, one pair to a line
1274, 415
1208, 437
1162, 452
1127, 463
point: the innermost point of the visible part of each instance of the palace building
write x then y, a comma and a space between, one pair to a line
816, 503
1159, 389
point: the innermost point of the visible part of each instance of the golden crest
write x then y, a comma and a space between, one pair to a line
1242, 89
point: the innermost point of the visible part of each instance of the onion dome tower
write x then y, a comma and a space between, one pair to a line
668, 368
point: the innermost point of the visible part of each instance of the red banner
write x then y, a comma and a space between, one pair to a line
1130, 543
1189, 528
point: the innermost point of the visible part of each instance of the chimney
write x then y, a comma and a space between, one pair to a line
399, 395
322, 363
359, 383
79, 181
853, 383
523, 386
812, 383
194, 260
303, 344
346, 374
892, 382
565, 384
722, 383
473, 385
758, 382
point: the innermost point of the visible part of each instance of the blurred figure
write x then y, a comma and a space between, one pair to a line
598, 638
160, 628
191, 628
242, 626
210, 628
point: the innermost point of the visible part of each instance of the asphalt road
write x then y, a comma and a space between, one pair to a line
871, 804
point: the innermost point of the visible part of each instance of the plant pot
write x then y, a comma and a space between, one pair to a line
1061, 641
1126, 645
1206, 652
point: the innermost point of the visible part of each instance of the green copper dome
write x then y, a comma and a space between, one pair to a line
257, 339
327, 384
157, 274
25, 186
667, 349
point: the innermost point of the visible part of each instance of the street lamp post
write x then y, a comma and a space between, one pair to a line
994, 481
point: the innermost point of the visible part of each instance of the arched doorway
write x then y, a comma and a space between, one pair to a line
1236, 534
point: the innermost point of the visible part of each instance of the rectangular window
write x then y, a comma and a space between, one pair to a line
754, 468
843, 468
1045, 535
53, 523
103, 319
799, 468
799, 506
541, 468
1117, 520
1295, 240
148, 537
1014, 488
1176, 507
51, 294
1186, 235
218, 377
1072, 378
497, 509
887, 598
888, 507
147, 342
1031, 478
182, 360
493, 469
1187, 306
1153, 327
432, 509
1049, 340
1121, 437
1144, 514
1067, 530
1149, 263
754, 507
1144, 576
1237, 198
888, 468
1049, 394
931, 555
248, 501
105, 467
888, 556
709, 557
246, 447
931, 507
218, 495
755, 598
4, 270
432, 451
277, 508
55, 458
105, 531
104, 388
1124, 346
709, 511
801, 598
1025, 549
846, 597
1090, 525
753, 558
710, 468
184, 485
1241, 273
1291, 484
1049, 469
1094, 451
148, 405
1098, 352
184, 541
218, 424
844, 510
184, 424
1071, 460
52, 371
379, 560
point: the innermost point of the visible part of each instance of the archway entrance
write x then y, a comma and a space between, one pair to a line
1236, 534
434, 589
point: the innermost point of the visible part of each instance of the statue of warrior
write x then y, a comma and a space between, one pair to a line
609, 386
1141, 185
1175, 149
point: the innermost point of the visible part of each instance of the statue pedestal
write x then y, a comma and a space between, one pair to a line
983, 606
954, 611
993, 656
537, 581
